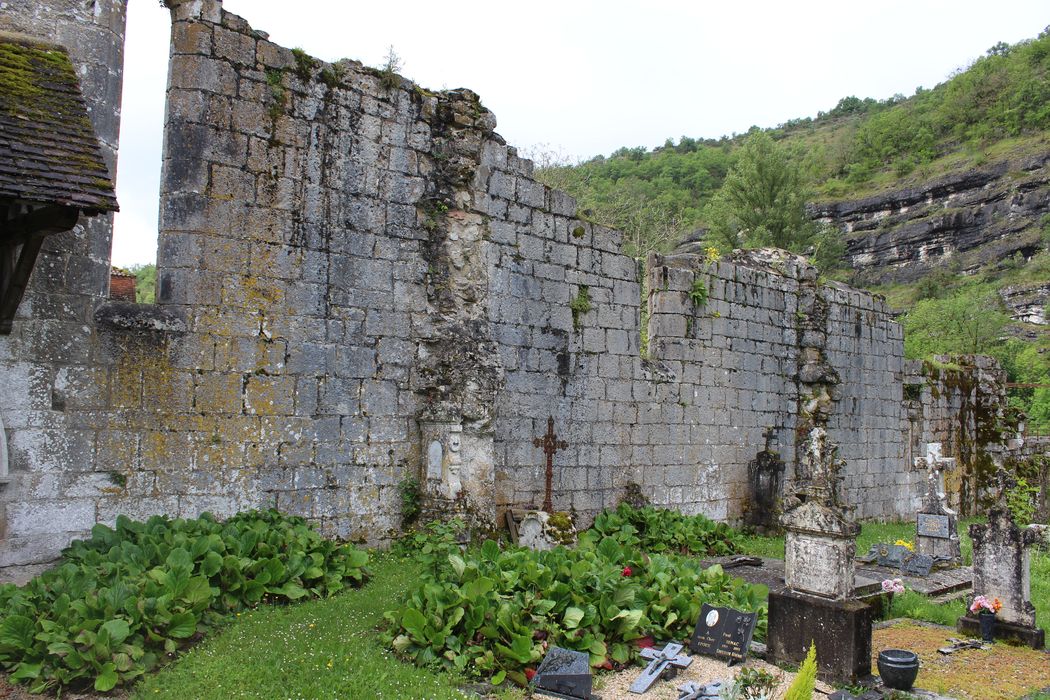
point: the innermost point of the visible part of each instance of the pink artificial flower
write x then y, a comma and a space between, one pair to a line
626, 571
893, 585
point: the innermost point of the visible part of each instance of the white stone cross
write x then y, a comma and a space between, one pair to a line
935, 466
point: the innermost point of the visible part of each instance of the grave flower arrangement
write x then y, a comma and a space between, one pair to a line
981, 604
893, 585
889, 587
906, 544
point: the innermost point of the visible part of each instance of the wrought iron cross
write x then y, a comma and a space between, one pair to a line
550, 444
769, 435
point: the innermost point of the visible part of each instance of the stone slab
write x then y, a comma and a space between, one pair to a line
841, 631
940, 582
771, 574
1034, 637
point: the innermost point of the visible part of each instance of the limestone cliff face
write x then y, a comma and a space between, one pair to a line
964, 219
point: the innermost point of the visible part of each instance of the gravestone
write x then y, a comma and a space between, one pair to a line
820, 541
916, 564
937, 525
818, 605
763, 475
723, 633
540, 530
1001, 569
564, 673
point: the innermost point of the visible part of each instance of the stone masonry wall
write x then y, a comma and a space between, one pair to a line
360, 282
46, 359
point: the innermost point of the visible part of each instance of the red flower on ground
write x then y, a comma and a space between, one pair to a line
529, 673
626, 571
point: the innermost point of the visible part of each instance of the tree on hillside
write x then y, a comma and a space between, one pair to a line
762, 202
969, 321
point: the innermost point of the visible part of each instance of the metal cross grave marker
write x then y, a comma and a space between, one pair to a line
550, 444
669, 658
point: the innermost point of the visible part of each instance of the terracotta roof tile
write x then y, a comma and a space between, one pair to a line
48, 149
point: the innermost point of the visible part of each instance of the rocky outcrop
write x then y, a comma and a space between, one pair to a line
967, 219
1027, 302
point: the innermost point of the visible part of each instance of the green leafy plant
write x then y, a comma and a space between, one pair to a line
304, 64
665, 530
388, 74
408, 489
129, 595
1021, 501
802, 687
493, 612
753, 683
698, 292
580, 304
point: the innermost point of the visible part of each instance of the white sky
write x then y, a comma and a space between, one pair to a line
585, 77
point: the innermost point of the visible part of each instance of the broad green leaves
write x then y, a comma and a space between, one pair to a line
128, 594
493, 612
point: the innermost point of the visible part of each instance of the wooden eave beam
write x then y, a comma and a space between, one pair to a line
26, 233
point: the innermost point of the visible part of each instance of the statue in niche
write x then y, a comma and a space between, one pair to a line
444, 459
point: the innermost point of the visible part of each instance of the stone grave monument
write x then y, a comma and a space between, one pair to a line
937, 525
1001, 569
763, 475
818, 602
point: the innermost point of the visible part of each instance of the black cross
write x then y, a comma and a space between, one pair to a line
550, 444
770, 433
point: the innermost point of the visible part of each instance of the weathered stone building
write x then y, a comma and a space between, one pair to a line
360, 283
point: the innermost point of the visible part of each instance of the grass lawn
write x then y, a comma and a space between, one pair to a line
319, 649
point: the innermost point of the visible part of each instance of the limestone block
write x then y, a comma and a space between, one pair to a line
44, 517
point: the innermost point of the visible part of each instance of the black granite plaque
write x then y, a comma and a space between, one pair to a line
723, 633
917, 565
933, 525
892, 555
564, 673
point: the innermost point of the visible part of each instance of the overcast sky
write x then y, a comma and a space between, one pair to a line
585, 77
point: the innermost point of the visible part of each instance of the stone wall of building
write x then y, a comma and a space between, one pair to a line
360, 283
44, 360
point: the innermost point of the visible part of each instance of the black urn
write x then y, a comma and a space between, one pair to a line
898, 668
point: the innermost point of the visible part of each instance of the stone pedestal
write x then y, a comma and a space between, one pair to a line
840, 629
820, 545
1034, 637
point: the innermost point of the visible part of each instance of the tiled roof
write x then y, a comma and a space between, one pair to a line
48, 149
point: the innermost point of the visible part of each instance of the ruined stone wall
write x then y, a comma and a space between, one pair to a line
959, 402
360, 283
865, 347
48, 357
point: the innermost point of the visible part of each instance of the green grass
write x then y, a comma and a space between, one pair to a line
319, 649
